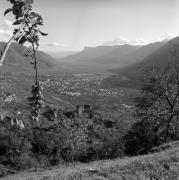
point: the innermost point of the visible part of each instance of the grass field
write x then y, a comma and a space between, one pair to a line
163, 165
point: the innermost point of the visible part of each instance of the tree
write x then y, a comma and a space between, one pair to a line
158, 110
161, 101
27, 29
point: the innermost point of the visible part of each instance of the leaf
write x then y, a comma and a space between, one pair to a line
18, 22
43, 34
7, 11
15, 31
22, 40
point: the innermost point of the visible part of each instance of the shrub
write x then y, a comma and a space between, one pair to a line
47, 142
140, 138
12, 144
90, 139
25, 161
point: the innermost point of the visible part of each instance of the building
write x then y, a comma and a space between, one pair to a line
83, 109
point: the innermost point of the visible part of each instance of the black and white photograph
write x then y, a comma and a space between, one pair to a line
89, 89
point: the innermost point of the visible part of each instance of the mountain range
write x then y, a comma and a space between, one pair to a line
16, 62
103, 58
160, 57
61, 54
157, 59
117, 59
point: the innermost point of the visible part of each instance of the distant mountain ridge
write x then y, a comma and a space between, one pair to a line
102, 54
90, 59
158, 59
104, 58
61, 54
17, 63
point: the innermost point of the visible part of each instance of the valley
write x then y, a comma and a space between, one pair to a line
71, 89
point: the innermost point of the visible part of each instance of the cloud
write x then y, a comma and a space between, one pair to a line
117, 41
123, 41
8, 23
5, 32
6, 29
166, 37
5, 35
138, 42
55, 44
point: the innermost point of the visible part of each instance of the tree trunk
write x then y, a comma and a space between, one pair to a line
8, 44
167, 128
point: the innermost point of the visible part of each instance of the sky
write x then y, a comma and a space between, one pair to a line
74, 24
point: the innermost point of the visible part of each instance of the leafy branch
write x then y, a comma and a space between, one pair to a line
27, 30
26, 25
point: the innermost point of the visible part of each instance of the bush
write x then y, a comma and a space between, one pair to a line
90, 139
12, 144
25, 161
47, 142
142, 136
5, 171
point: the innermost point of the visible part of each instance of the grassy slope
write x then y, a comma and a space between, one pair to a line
162, 165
